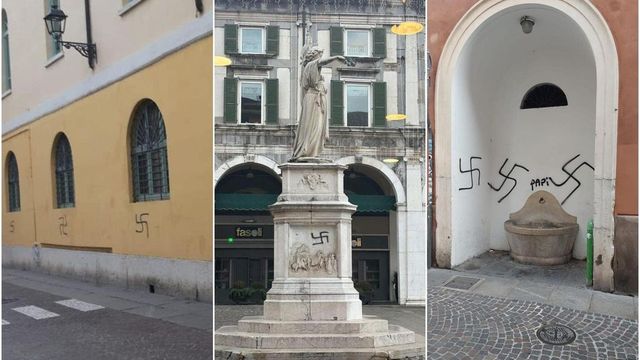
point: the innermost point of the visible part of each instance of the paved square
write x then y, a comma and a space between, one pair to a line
471, 326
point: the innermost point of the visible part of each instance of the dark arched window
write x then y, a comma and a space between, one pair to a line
13, 183
543, 95
149, 153
64, 173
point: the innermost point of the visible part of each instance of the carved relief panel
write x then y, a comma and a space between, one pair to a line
312, 252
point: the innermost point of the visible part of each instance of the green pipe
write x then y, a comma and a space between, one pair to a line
590, 253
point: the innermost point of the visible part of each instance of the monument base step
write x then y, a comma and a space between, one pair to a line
258, 324
231, 336
413, 351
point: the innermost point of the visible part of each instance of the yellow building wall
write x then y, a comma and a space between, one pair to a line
97, 127
18, 227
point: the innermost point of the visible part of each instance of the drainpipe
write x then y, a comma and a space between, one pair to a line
589, 273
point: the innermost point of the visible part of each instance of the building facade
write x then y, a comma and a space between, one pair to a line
107, 169
257, 106
516, 109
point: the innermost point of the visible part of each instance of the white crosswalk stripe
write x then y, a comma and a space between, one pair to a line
35, 312
79, 305
5, 322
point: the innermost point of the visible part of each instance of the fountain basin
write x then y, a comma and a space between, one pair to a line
541, 233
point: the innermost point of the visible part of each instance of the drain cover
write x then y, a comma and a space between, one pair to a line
556, 334
462, 282
8, 300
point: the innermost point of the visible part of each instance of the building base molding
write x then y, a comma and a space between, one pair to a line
191, 279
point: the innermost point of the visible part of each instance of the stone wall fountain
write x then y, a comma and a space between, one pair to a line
541, 233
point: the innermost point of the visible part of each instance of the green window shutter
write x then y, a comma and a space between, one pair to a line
337, 103
230, 100
379, 42
335, 36
273, 40
379, 104
230, 39
272, 101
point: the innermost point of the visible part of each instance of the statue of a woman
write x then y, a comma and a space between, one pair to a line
313, 128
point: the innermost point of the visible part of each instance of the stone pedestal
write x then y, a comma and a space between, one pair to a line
312, 247
312, 306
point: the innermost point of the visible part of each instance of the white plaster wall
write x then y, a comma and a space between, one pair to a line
220, 73
470, 218
416, 235
324, 41
499, 66
284, 44
412, 82
391, 78
392, 44
284, 92
218, 43
416, 267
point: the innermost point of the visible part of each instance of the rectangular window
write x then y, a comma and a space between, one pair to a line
53, 47
357, 99
252, 40
251, 102
358, 43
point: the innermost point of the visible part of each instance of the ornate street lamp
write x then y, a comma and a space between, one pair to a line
56, 21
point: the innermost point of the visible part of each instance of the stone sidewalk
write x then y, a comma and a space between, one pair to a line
466, 325
582, 299
183, 312
562, 285
492, 308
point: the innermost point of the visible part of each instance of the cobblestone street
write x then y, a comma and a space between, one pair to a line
462, 325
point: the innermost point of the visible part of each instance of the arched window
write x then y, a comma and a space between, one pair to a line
543, 95
6, 64
13, 183
149, 153
64, 173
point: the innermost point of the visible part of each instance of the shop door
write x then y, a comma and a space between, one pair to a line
372, 267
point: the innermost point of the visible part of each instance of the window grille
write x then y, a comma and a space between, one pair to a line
64, 173
149, 154
14, 183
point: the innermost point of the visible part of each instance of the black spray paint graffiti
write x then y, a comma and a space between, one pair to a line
142, 222
507, 177
548, 181
541, 182
322, 237
63, 225
570, 176
470, 171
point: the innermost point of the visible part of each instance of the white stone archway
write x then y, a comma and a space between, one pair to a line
601, 42
408, 241
245, 159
